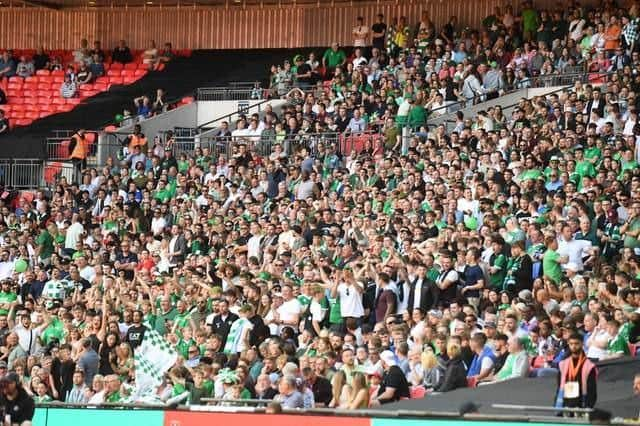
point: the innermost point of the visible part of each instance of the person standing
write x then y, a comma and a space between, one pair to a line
360, 33
577, 387
18, 406
79, 152
378, 33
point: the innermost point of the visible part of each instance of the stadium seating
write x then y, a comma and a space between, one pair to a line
38, 96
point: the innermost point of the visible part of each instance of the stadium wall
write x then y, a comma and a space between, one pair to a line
233, 27
51, 416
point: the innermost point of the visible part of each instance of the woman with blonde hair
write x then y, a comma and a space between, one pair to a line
359, 394
432, 370
455, 375
338, 383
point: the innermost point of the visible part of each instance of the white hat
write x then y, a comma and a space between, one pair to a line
571, 266
388, 358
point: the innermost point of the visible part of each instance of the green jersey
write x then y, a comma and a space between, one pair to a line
551, 265
8, 298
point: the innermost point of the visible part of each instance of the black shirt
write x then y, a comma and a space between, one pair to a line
378, 41
221, 326
135, 334
322, 391
394, 378
122, 55
40, 61
20, 409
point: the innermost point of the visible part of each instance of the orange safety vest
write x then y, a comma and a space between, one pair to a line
136, 140
80, 150
584, 376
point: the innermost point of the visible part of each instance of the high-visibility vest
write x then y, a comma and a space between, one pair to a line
80, 150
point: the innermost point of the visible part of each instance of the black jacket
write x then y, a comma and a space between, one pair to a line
426, 295
455, 376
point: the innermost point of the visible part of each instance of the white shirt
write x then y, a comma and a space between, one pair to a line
350, 301
88, 273
73, 235
157, 225
289, 310
574, 249
28, 338
253, 246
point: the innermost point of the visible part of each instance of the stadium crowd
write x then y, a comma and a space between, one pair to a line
322, 278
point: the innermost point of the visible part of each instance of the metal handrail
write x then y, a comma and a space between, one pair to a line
226, 116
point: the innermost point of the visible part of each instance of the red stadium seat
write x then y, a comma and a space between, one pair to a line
43, 72
34, 115
16, 79
140, 73
23, 122
417, 392
14, 85
113, 73
57, 79
86, 87
51, 170
115, 80
58, 101
30, 86
44, 86
73, 101
31, 100
45, 79
116, 66
130, 79
31, 107
130, 66
31, 79
57, 73
128, 72
6, 107
44, 94
14, 93
44, 114
88, 93
101, 87
102, 80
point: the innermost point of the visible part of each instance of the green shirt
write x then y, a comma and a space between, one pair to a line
417, 116
629, 241
551, 265
335, 315
334, 58
114, 397
54, 330
496, 280
45, 241
530, 20
8, 297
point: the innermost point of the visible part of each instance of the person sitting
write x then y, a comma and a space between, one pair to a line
84, 75
25, 68
517, 363
97, 66
4, 122
455, 375
121, 53
150, 56
7, 65
69, 88
166, 54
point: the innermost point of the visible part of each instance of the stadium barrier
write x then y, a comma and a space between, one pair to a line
55, 414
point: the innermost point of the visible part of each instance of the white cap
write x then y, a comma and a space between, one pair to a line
388, 358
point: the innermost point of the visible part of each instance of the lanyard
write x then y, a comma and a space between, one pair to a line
573, 371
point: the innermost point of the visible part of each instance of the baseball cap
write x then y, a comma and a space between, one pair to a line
388, 358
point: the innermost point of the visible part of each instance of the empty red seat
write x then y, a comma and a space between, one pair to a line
44, 114
128, 72
31, 107
31, 100
58, 101
130, 66
18, 107
32, 115
29, 93
16, 79
14, 93
130, 79
113, 73
140, 73
52, 170
30, 86
44, 86
101, 87
23, 122
31, 79
115, 80
57, 80
116, 66
73, 101
44, 94
13, 85
86, 87
57, 73
17, 115
102, 80
43, 72
6, 107
45, 79
88, 93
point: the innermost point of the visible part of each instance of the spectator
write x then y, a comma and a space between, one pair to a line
121, 53
7, 65
68, 89
25, 68
84, 75
288, 395
40, 59
394, 385
4, 123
